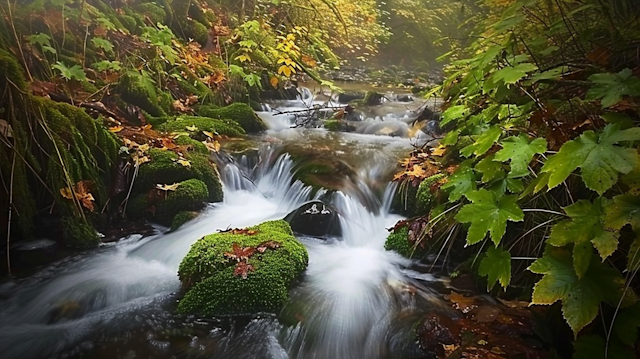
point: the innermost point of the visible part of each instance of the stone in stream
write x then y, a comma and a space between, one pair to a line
316, 219
34, 252
347, 97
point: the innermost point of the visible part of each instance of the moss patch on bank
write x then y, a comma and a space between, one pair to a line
213, 287
241, 113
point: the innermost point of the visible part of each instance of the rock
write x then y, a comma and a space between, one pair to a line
242, 271
437, 329
238, 112
347, 97
316, 219
34, 252
399, 242
404, 98
372, 98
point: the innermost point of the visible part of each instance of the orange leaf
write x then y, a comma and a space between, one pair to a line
273, 81
115, 129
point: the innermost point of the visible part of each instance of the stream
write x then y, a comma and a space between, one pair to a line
355, 301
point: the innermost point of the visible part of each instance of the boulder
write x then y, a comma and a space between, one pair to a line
33, 252
347, 97
316, 219
242, 271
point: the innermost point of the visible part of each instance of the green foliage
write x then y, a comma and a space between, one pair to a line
610, 88
207, 274
496, 266
74, 72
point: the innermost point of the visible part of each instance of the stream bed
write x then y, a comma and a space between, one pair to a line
353, 301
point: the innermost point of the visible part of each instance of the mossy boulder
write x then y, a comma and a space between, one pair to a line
78, 233
398, 241
181, 218
426, 196
152, 10
164, 168
213, 285
319, 169
223, 127
139, 90
333, 125
191, 144
241, 113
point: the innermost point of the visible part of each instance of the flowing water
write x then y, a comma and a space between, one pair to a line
353, 301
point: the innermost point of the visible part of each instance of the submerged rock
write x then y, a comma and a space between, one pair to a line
316, 219
242, 271
34, 252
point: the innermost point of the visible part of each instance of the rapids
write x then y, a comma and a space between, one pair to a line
118, 301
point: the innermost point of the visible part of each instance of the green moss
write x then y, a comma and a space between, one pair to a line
193, 145
163, 168
11, 71
77, 233
424, 197
139, 89
189, 196
221, 126
333, 125
152, 10
239, 112
181, 218
216, 62
197, 31
212, 288
398, 241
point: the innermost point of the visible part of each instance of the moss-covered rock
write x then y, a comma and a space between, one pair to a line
212, 288
10, 70
191, 144
399, 241
238, 112
189, 196
164, 168
333, 125
152, 10
425, 197
182, 218
78, 233
197, 31
223, 127
138, 89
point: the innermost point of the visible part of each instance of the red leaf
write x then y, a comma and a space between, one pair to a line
243, 269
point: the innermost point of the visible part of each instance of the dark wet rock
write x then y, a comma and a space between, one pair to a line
373, 98
347, 97
7, 288
34, 252
317, 167
404, 98
437, 329
316, 219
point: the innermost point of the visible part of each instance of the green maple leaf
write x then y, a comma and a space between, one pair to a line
586, 228
483, 142
490, 169
598, 156
74, 72
454, 113
513, 74
103, 44
632, 180
496, 266
488, 213
520, 151
624, 209
41, 39
461, 182
610, 88
580, 297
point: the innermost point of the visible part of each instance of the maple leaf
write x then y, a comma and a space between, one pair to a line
243, 269
239, 253
513, 74
520, 151
490, 214
168, 187
496, 266
598, 157
483, 142
213, 146
461, 181
610, 88
262, 247
81, 193
183, 162
580, 297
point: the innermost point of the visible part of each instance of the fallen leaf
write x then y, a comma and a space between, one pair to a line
184, 162
82, 194
191, 128
462, 303
213, 146
243, 269
239, 253
208, 134
168, 187
115, 129
273, 81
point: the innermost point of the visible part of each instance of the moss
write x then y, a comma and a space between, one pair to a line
222, 126
239, 112
398, 241
333, 125
212, 288
153, 11
189, 196
216, 62
197, 31
11, 71
129, 22
163, 168
181, 218
425, 197
139, 90
77, 233
192, 145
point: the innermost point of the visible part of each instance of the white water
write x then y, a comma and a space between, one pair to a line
345, 302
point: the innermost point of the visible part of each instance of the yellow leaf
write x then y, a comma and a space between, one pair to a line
309, 61
184, 162
213, 146
66, 193
138, 160
191, 128
285, 70
243, 58
439, 151
273, 81
167, 187
208, 134
115, 129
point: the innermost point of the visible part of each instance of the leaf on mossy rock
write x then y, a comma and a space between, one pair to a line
242, 269
168, 187
599, 157
496, 266
580, 297
81, 193
488, 213
586, 228
239, 253
519, 151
